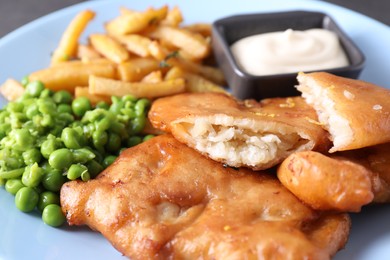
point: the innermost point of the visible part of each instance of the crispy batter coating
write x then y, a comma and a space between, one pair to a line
356, 113
344, 181
163, 200
327, 183
250, 134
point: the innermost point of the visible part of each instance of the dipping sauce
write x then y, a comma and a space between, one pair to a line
289, 51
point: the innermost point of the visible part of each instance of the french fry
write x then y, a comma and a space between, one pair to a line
11, 89
192, 43
126, 11
157, 51
211, 73
83, 62
135, 43
168, 46
174, 17
104, 86
196, 83
84, 92
69, 76
136, 69
174, 73
68, 44
87, 52
134, 22
153, 77
156, 15
202, 28
109, 48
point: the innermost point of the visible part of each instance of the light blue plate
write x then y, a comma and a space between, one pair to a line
24, 236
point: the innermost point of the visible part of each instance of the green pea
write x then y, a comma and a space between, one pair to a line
24, 81
23, 139
116, 106
2, 182
81, 105
52, 215
53, 179
32, 110
147, 137
85, 176
103, 105
113, 143
50, 145
118, 128
130, 113
123, 118
16, 173
71, 138
15, 107
31, 156
10, 160
89, 129
47, 198
17, 119
32, 175
103, 124
129, 98
108, 160
99, 139
39, 189
47, 106
46, 93
37, 119
133, 141
62, 97
13, 186
26, 199
47, 120
35, 88
141, 106
61, 159
5, 128
137, 125
75, 171
4, 116
83, 155
94, 168
64, 108
65, 118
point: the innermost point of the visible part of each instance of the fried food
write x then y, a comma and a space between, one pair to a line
327, 183
343, 181
249, 134
377, 159
356, 113
163, 200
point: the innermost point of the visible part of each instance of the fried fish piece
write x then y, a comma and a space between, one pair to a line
356, 113
163, 200
250, 134
344, 181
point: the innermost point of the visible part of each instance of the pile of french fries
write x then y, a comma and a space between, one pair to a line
146, 54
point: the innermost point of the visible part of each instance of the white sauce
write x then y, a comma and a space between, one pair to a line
289, 51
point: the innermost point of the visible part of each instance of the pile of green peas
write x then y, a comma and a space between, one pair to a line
48, 138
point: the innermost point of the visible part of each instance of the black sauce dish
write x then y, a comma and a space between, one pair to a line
227, 31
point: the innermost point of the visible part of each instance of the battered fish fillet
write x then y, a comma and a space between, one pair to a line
163, 200
344, 181
250, 134
356, 113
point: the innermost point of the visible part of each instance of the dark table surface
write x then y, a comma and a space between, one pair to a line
15, 13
